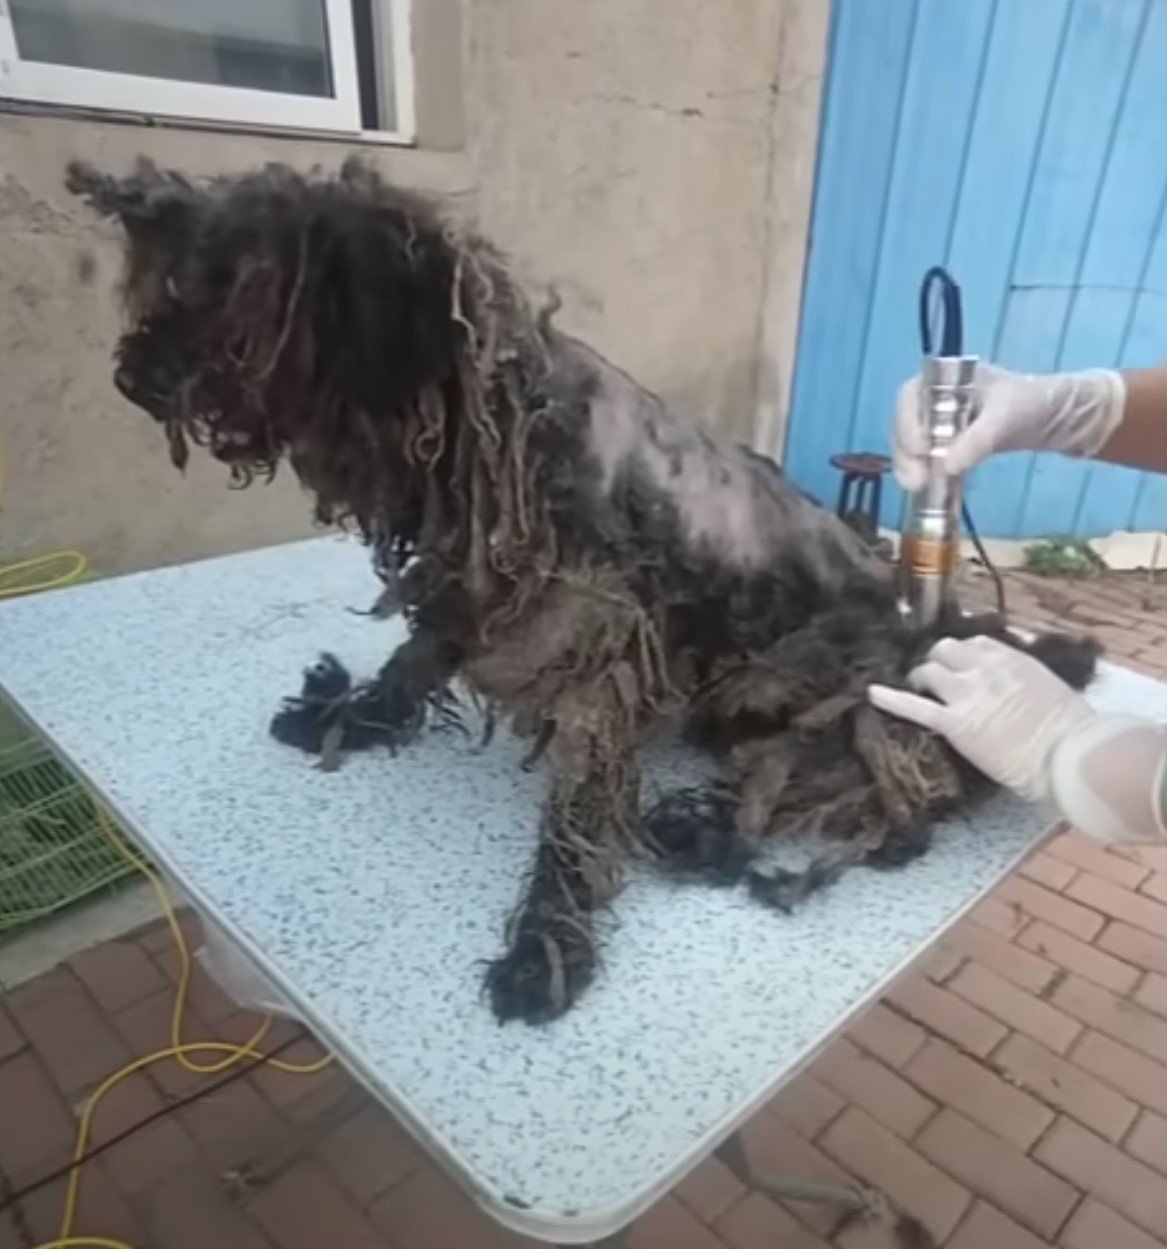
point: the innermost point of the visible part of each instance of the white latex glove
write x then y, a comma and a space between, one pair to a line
1023, 727
1074, 413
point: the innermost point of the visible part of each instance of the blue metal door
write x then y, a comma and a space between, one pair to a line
1023, 143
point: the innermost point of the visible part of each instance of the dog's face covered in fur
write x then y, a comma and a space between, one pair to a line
270, 315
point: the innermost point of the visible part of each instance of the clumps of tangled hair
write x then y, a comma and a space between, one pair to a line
811, 757
577, 555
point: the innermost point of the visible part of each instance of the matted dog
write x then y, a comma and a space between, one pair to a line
582, 557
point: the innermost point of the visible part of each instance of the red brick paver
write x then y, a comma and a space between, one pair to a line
888, 1035
1148, 1141
1031, 971
1073, 848
998, 915
1134, 946
1118, 1018
1096, 1226
996, 1171
1016, 1008
964, 1084
11, 1041
987, 1228
906, 1175
1108, 1173
305, 1208
37, 1123
1062, 1085
1044, 869
942, 1012
118, 974
1040, 903
54, 1021
1070, 954
1142, 1079
1152, 993
866, 1082
1009, 1093
806, 1105
1107, 898
757, 1223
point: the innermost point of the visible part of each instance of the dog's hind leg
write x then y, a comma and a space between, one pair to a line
331, 714
584, 846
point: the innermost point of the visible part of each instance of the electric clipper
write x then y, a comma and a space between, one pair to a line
930, 539
949, 400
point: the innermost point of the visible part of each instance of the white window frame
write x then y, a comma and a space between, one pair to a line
69, 86
399, 16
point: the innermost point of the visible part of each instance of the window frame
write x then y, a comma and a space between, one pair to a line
74, 87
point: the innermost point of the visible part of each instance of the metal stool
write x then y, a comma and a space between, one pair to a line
861, 491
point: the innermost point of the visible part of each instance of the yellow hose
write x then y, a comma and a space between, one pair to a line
28, 576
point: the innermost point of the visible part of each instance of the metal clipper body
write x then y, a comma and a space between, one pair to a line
930, 537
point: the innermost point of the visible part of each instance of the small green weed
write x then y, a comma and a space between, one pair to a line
1062, 557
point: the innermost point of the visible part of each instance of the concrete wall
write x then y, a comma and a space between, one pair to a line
652, 160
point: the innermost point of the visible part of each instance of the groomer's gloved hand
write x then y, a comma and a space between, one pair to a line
1074, 413
1023, 727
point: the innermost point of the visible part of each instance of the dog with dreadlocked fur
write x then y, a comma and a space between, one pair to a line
577, 554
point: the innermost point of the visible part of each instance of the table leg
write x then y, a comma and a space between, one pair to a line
853, 1199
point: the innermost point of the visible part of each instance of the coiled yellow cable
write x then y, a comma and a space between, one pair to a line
26, 576
178, 1049
14, 577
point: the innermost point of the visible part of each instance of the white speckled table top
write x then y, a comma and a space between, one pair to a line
372, 895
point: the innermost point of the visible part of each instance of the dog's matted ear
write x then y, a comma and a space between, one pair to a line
149, 200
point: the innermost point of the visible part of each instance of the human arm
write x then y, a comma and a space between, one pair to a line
1026, 729
1102, 414
1140, 438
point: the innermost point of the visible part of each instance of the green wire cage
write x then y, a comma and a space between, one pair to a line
53, 852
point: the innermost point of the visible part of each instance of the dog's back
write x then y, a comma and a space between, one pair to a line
738, 552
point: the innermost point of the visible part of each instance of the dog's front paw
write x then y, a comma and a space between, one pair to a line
299, 726
330, 715
543, 974
305, 720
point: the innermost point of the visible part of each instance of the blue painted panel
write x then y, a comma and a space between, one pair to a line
1093, 74
1094, 65
1130, 207
871, 44
1024, 47
948, 59
1026, 340
1124, 254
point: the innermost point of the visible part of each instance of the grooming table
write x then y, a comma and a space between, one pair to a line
370, 897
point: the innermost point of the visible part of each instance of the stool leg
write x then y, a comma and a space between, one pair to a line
844, 491
857, 516
877, 508
862, 490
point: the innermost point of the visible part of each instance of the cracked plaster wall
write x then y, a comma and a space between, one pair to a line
652, 159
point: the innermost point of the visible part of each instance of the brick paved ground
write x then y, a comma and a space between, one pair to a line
1011, 1092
